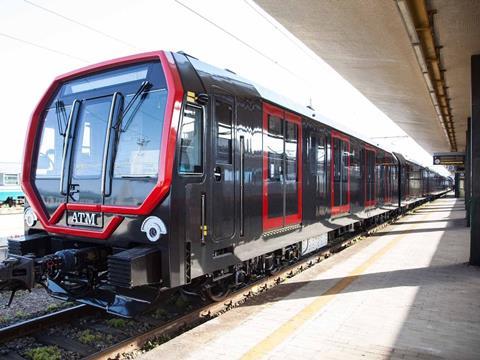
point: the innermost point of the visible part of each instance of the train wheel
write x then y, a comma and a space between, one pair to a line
218, 291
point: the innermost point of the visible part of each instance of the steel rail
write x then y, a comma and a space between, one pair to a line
34, 325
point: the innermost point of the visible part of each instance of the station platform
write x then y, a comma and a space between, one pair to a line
406, 292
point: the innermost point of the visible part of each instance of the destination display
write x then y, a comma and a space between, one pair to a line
449, 158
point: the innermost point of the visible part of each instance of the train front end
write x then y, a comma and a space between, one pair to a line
97, 175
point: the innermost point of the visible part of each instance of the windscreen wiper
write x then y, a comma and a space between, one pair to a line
61, 115
144, 87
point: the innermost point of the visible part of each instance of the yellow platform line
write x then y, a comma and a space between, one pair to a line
279, 335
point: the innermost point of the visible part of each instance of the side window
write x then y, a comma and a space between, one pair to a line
321, 165
337, 159
345, 156
191, 135
312, 146
223, 116
275, 148
291, 135
50, 153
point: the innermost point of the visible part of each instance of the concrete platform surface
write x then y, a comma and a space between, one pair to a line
405, 293
11, 224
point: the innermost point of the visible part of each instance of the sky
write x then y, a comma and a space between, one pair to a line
41, 39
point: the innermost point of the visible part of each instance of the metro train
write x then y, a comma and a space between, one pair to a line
157, 171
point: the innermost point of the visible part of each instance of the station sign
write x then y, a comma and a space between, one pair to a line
449, 158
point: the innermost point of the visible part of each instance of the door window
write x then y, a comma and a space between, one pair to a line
369, 178
341, 174
319, 170
191, 140
291, 134
223, 116
337, 171
345, 171
282, 169
275, 148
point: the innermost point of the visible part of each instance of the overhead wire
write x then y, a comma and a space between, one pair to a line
91, 28
11, 37
211, 22
251, 47
281, 31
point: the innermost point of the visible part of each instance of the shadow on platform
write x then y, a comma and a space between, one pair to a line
443, 320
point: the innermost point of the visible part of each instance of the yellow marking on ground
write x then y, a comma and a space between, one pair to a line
285, 330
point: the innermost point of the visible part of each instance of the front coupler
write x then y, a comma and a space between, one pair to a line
124, 282
17, 273
29, 262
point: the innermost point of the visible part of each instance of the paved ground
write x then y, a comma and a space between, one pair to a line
11, 224
406, 293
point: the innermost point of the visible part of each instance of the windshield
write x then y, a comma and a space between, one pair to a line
140, 135
89, 142
138, 132
107, 149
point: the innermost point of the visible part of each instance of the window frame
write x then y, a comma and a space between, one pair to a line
224, 100
202, 137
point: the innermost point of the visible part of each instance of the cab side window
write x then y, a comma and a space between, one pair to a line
191, 141
224, 116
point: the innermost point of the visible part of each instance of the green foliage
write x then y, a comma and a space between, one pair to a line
182, 303
44, 353
52, 307
20, 314
89, 337
151, 344
160, 314
117, 323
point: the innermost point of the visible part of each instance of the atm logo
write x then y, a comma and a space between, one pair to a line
83, 218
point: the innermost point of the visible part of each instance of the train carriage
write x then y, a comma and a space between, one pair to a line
157, 171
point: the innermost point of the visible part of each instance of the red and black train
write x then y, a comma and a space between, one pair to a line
158, 171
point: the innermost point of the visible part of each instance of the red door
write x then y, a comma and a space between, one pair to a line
370, 155
340, 174
282, 168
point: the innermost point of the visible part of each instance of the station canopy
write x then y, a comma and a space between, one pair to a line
411, 58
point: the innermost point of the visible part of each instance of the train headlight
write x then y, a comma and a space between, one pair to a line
153, 227
30, 217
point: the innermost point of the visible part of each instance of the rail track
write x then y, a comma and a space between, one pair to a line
159, 331
40, 323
